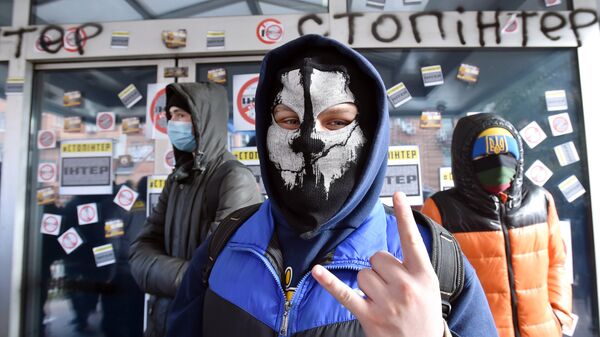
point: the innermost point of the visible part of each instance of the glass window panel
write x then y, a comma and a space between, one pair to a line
6, 9
79, 11
452, 5
236, 138
69, 295
511, 83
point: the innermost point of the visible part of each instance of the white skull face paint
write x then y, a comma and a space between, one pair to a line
326, 154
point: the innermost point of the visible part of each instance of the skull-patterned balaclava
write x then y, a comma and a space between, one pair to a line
314, 170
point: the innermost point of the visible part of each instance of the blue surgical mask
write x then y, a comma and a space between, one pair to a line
181, 136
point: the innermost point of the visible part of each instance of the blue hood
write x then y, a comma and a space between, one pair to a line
366, 191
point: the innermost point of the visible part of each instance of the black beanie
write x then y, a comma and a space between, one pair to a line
175, 99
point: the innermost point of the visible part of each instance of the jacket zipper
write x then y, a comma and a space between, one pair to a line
288, 305
511, 276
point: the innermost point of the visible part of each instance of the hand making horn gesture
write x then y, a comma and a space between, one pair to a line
402, 297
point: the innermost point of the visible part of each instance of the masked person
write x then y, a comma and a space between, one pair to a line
507, 228
322, 135
207, 184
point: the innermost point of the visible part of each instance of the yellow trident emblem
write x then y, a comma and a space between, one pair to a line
496, 144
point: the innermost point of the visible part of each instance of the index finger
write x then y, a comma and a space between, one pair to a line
413, 248
340, 291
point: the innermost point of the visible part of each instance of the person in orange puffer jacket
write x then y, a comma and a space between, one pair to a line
507, 228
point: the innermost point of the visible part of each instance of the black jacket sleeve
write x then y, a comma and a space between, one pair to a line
238, 189
154, 271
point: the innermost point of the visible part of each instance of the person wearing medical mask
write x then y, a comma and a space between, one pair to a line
206, 185
507, 227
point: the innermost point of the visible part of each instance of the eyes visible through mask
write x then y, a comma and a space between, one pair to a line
333, 118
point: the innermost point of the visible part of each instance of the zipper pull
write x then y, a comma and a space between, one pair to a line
286, 316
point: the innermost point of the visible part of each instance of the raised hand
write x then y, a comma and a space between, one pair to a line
402, 297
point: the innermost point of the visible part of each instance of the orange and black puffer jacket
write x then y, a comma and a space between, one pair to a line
512, 240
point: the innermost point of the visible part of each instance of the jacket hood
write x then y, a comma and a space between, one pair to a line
208, 106
367, 188
465, 180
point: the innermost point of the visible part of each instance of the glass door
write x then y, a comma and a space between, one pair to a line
90, 159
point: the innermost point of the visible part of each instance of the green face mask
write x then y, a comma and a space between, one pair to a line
495, 173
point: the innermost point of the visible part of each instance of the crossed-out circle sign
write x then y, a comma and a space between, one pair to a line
105, 121
46, 139
245, 100
126, 198
533, 135
170, 159
69, 241
69, 39
512, 26
50, 223
538, 174
46, 172
159, 118
87, 214
560, 124
269, 31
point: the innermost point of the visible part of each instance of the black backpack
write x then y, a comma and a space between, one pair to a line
446, 256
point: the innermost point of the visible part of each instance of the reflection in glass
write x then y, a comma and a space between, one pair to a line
79, 11
74, 294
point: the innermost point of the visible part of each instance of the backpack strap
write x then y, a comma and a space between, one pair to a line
446, 259
211, 196
222, 234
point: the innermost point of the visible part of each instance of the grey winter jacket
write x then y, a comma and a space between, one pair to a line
181, 221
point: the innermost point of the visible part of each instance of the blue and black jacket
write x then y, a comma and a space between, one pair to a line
245, 297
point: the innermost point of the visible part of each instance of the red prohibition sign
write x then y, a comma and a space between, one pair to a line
87, 213
170, 159
105, 121
533, 135
269, 31
46, 138
512, 27
245, 109
156, 118
69, 40
46, 172
125, 198
538, 174
560, 124
70, 240
50, 223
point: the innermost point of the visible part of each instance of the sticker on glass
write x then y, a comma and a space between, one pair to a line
560, 124
269, 31
105, 121
46, 139
87, 213
72, 98
155, 185
73, 124
244, 89
124, 164
432, 75
468, 73
571, 188
215, 39
398, 95
129, 96
86, 167
125, 197
218, 75
104, 255
538, 173
46, 195
113, 228
46, 173
446, 179
431, 120
130, 125
552, 3
119, 39
566, 153
175, 72
156, 117
533, 134
403, 174
14, 85
70, 240
50, 224
556, 100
